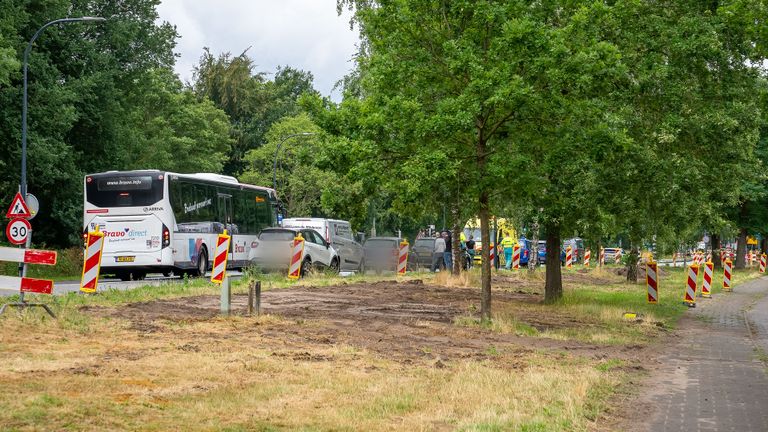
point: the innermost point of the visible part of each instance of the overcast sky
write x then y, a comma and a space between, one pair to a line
305, 34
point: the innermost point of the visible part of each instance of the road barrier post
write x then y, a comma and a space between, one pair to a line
94, 245
706, 286
568, 257
763, 258
297, 254
492, 256
402, 258
24, 284
652, 280
219, 272
601, 263
690, 287
226, 296
617, 256
516, 257
727, 270
587, 256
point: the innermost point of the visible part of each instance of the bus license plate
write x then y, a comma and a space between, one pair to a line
125, 258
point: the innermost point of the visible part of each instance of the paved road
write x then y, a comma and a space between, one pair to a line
712, 378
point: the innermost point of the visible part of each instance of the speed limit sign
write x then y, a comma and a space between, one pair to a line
18, 230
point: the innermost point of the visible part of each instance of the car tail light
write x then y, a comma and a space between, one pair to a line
166, 237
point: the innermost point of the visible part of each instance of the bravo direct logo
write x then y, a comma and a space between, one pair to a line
125, 233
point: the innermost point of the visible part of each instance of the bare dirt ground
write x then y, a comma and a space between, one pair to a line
403, 321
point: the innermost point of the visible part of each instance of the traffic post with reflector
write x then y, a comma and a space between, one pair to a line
707, 284
220, 257
568, 257
763, 258
617, 256
602, 257
516, 257
587, 256
727, 271
689, 299
94, 244
297, 254
652, 280
402, 258
492, 256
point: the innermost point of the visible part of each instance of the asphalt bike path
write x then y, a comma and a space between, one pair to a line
714, 376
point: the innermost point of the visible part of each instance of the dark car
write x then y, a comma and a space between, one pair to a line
381, 253
420, 255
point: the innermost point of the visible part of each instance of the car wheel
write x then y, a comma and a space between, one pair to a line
306, 266
137, 276
202, 264
124, 276
361, 267
335, 266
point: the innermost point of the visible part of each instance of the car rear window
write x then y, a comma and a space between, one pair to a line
380, 243
424, 243
277, 235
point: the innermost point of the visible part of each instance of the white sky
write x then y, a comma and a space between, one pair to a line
304, 34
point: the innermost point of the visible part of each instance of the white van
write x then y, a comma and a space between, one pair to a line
336, 232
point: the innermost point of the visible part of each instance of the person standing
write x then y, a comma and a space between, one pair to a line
437, 253
471, 250
448, 254
508, 243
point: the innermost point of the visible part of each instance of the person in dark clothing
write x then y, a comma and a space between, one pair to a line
470, 250
448, 255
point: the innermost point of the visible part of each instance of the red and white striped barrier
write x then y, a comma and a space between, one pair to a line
516, 257
220, 257
652, 280
402, 258
94, 244
492, 250
27, 285
297, 255
763, 258
587, 256
722, 256
602, 257
727, 271
707, 285
752, 258
28, 256
690, 286
568, 257
709, 257
617, 256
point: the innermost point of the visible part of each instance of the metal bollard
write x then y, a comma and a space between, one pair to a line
254, 298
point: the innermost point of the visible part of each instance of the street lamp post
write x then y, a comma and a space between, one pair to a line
23, 185
277, 150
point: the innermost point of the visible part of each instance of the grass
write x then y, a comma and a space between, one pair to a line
600, 310
83, 372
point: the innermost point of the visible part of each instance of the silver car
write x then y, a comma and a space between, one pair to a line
273, 250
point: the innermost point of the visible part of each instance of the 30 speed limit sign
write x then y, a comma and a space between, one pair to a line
18, 230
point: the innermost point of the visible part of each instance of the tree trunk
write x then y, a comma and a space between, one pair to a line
458, 257
741, 249
716, 252
764, 244
553, 288
533, 253
485, 270
632, 265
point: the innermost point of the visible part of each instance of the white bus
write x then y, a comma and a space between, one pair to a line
163, 222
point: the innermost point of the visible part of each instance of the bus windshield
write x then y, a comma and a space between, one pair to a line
124, 190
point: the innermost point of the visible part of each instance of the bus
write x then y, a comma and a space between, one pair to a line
163, 222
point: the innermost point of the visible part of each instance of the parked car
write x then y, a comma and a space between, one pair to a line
336, 232
381, 253
272, 250
543, 253
577, 248
420, 255
610, 254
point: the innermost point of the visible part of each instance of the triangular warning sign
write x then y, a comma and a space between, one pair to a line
18, 208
